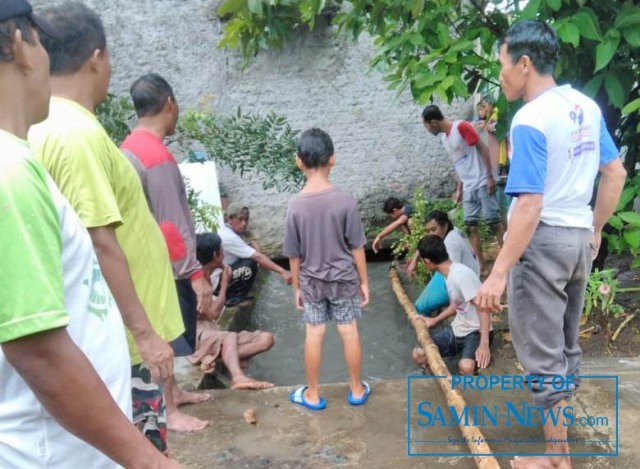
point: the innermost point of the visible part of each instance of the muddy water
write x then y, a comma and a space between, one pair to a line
387, 337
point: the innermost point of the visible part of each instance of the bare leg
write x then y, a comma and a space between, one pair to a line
352, 356
232, 361
498, 231
248, 351
466, 366
176, 420
552, 433
476, 244
313, 360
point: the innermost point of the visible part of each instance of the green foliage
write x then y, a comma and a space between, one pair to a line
205, 215
264, 146
116, 116
602, 288
626, 222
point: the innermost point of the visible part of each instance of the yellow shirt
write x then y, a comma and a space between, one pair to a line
104, 189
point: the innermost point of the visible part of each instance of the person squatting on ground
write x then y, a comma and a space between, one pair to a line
104, 189
471, 333
243, 258
559, 144
476, 176
164, 188
213, 346
401, 215
60, 346
324, 240
435, 295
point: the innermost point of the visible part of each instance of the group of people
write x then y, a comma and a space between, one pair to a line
94, 242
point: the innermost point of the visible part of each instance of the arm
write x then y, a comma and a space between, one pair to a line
486, 159
390, 228
66, 384
113, 263
413, 264
458, 192
444, 314
216, 308
612, 180
268, 264
483, 352
361, 267
294, 263
522, 225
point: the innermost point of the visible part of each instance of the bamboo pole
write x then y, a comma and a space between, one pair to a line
472, 434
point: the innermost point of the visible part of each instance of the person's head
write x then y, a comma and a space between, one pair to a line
432, 119
485, 106
81, 48
529, 50
23, 59
432, 251
315, 149
237, 218
209, 251
393, 207
437, 223
152, 96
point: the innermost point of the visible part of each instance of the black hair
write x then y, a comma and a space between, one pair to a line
535, 39
8, 29
441, 218
391, 204
432, 112
81, 34
149, 94
432, 248
315, 147
207, 246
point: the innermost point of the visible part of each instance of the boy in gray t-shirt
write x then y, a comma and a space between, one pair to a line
324, 241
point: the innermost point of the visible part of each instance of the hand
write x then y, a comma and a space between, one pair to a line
287, 277
490, 293
298, 299
364, 294
157, 354
483, 355
204, 294
491, 184
479, 124
225, 277
456, 196
597, 239
411, 269
429, 322
376, 244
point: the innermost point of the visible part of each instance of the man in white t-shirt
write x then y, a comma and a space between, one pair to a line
471, 333
243, 258
476, 176
559, 144
61, 336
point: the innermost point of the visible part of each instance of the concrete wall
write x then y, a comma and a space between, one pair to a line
316, 80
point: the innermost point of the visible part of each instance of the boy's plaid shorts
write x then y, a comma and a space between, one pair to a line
341, 310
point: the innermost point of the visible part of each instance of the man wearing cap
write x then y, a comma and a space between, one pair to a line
164, 187
105, 190
57, 317
242, 258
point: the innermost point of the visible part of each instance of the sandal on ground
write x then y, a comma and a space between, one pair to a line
361, 400
297, 397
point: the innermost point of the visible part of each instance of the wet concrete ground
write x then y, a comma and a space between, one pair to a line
375, 435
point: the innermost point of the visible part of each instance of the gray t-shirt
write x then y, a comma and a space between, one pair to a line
322, 228
462, 286
459, 250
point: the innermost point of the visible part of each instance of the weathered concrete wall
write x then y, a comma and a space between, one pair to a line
317, 80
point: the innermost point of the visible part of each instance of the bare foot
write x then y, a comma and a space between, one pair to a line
541, 462
184, 397
419, 356
250, 383
183, 423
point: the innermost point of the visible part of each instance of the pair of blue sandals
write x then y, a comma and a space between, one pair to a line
297, 397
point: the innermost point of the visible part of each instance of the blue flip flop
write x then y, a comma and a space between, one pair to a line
361, 400
297, 397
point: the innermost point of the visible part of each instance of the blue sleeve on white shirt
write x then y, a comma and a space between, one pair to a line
608, 150
528, 168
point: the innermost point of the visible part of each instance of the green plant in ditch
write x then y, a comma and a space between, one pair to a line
205, 215
602, 288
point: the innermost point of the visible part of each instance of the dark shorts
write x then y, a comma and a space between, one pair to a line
186, 344
450, 345
341, 310
149, 412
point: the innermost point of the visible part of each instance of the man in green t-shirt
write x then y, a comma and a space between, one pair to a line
57, 318
105, 191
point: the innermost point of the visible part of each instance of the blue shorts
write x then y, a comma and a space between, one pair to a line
450, 345
341, 310
477, 202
